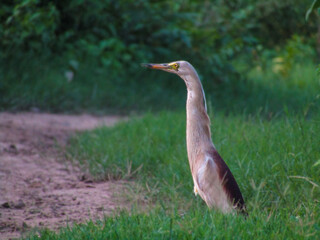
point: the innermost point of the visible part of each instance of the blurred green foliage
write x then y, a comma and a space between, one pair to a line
315, 5
100, 43
119, 32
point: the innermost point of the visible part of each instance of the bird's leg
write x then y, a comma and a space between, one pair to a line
195, 190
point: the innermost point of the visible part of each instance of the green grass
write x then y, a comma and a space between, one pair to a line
41, 82
29, 82
273, 160
194, 224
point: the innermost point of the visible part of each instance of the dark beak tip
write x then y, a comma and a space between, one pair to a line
146, 65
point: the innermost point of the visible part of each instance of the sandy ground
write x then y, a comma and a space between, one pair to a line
38, 187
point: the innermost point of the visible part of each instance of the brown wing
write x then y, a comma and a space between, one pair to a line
229, 183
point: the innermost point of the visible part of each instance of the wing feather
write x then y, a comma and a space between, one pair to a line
228, 181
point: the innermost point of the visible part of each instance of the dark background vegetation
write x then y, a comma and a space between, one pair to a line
81, 55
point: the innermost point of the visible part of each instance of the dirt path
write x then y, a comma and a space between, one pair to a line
38, 188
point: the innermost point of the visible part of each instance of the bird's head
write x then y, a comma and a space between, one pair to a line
178, 67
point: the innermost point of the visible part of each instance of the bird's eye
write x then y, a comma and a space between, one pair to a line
174, 66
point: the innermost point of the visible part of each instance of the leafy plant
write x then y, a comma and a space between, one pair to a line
315, 5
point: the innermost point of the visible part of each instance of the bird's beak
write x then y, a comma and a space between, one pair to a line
162, 66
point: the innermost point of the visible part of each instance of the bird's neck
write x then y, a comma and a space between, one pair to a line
198, 122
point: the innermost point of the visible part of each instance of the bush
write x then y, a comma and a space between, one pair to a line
51, 39
125, 31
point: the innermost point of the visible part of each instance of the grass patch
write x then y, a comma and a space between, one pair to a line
194, 224
273, 160
40, 82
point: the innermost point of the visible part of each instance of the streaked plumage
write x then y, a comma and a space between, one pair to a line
212, 178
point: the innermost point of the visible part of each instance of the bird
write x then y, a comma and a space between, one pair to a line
212, 178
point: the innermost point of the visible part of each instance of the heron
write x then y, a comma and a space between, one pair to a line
212, 178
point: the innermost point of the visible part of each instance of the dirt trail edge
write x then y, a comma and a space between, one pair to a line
38, 188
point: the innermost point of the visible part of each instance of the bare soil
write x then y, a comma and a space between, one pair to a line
38, 187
